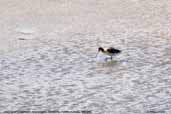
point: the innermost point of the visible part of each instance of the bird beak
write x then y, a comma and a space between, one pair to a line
97, 54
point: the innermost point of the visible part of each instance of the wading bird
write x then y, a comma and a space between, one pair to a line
110, 51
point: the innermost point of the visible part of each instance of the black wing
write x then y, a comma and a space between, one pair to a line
113, 50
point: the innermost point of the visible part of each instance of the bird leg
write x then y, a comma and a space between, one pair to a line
109, 58
106, 59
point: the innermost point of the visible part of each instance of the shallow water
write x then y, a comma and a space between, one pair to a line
69, 76
48, 56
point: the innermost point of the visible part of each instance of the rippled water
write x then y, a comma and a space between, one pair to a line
48, 56
66, 75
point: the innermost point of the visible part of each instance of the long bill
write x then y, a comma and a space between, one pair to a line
97, 54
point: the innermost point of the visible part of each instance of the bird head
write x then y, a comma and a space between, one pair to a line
100, 49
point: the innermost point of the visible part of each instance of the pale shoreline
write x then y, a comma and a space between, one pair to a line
47, 19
